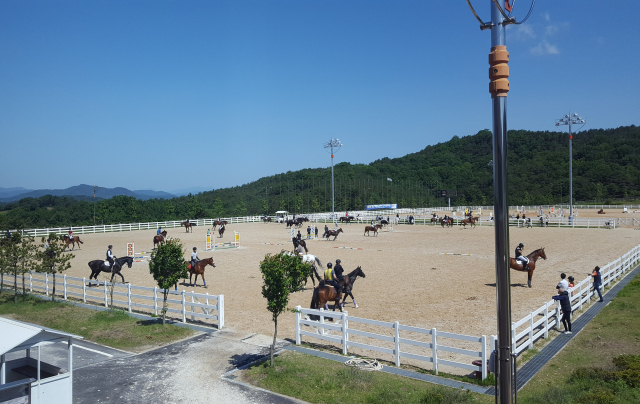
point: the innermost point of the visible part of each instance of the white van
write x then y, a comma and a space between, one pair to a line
281, 216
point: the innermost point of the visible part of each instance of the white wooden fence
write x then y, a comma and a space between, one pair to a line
538, 323
187, 305
344, 329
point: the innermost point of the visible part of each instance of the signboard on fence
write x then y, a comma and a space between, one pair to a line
383, 206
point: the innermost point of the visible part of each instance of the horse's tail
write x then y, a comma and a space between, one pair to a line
314, 299
78, 239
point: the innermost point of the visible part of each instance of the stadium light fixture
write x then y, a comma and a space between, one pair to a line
569, 120
334, 145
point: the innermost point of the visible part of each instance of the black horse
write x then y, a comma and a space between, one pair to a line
353, 275
301, 242
98, 266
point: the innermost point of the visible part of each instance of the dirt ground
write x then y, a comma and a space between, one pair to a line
409, 278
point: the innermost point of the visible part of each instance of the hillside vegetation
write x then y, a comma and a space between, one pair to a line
606, 166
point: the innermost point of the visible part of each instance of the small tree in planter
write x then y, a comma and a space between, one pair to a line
167, 266
53, 260
282, 275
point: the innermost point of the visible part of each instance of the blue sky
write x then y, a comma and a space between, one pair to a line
167, 95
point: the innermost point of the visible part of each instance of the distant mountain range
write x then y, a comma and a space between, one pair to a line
81, 191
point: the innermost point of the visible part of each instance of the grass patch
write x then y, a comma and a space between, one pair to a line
601, 364
116, 329
319, 380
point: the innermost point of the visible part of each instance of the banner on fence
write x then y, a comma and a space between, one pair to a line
383, 206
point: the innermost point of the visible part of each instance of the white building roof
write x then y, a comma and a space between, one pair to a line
16, 334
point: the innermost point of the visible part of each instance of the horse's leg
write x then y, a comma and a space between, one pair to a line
530, 274
203, 280
120, 273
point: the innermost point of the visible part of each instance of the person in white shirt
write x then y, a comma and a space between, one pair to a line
564, 283
194, 257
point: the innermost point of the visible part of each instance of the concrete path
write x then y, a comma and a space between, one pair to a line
184, 372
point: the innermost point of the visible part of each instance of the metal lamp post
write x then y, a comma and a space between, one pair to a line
333, 144
94, 203
570, 120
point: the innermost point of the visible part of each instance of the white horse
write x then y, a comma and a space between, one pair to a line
308, 259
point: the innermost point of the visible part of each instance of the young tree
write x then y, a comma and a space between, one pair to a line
167, 266
53, 260
16, 255
282, 275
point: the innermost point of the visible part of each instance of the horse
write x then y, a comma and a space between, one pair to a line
219, 222
346, 219
198, 269
434, 219
353, 276
73, 240
324, 293
98, 266
221, 231
158, 239
333, 233
374, 229
533, 257
527, 223
384, 222
308, 259
266, 219
469, 221
448, 222
187, 226
290, 223
296, 243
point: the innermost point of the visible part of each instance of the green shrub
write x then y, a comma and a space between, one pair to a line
598, 395
442, 395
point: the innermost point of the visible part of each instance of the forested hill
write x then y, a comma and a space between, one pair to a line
606, 166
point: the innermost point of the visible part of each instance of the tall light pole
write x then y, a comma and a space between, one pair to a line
499, 87
94, 203
333, 144
570, 120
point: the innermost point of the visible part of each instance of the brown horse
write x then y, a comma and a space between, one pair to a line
266, 219
198, 269
324, 293
187, 226
374, 229
333, 233
434, 220
533, 257
73, 241
219, 222
469, 221
157, 240
448, 222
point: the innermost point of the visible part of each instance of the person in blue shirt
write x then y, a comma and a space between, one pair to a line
159, 230
597, 282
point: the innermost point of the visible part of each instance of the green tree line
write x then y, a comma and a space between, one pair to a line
606, 166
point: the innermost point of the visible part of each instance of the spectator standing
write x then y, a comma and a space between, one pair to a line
565, 305
597, 282
564, 284
571, 284
316, 231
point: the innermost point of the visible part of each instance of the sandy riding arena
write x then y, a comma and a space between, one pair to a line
409, 278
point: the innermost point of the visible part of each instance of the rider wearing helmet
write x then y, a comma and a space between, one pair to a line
330, 277
159, 230
523, 260
194, 257
338, 271
110, 256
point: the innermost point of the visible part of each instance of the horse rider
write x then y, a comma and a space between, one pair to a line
521, 258
309, 231
159, 230
330, 278
299, 236
338, 271
70, 234
110, 256
298, 247
194, 257
326, 230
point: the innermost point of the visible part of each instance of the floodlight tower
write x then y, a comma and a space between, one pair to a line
499, 87
569, 120
331, 144
94, 203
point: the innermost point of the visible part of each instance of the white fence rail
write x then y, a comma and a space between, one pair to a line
186, 305
538, 323
344, 331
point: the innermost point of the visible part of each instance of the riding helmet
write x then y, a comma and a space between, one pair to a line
338, 261
521, 245
110, 246
329, 265
194, 248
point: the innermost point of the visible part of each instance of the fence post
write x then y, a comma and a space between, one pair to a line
530, 330
129, 296
580, 291
546, 320
483, 341
184, 307
30, 282
220, 311
46, 283
155, 300
298, 325
106, 303
434, 349
64, 282
321, 321
396, 338
84, 290
345, 332
193, 318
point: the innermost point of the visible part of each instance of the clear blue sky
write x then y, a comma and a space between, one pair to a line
166, 95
